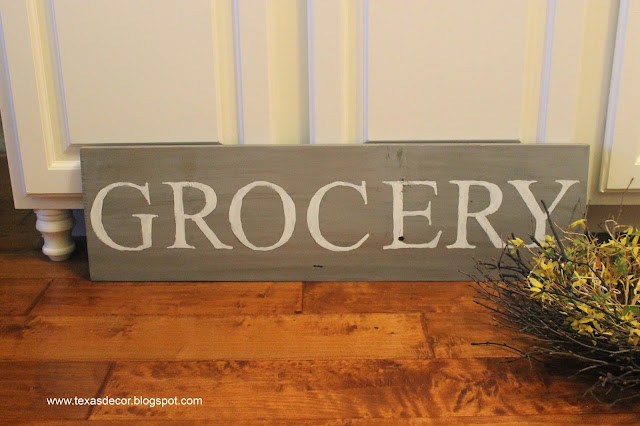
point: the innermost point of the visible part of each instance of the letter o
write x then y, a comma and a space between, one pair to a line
235, 210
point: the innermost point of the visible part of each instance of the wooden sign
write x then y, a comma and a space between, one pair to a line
308, 213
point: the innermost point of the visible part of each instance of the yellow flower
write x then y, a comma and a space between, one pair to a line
515, 244
579, 223
535, 283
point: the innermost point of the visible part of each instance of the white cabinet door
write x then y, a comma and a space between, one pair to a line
426, 69
136, 71
537, 71
446, 70
622, 137
105, 72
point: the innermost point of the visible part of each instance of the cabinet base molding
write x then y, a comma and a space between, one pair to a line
55, 227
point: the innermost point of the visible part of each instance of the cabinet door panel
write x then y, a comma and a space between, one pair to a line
138, 71
446, 69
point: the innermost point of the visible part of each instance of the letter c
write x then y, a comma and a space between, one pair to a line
313, 215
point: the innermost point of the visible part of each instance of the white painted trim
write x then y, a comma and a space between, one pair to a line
225, 73
349, 72
238, 71
546, 71
354, 75
62, 101
614, 92
255, 78
41, 165
60, 154
37, 31
534, 54
311, 80
365, 70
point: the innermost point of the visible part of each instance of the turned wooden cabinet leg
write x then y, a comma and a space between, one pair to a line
55, 226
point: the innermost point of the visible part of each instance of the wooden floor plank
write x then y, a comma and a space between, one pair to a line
34, 265
331, 389
450, 335
549, 420
363, 297
18, 296
25, 386
80, 297
343, 336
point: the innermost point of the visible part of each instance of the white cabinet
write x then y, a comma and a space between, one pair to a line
77, 72
622, 136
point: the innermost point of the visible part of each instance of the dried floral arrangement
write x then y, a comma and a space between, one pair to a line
577, 299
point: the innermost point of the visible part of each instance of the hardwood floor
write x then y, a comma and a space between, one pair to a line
260, 353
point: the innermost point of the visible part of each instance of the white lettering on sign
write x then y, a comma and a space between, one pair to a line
313, 215
399, 213
495, 200
313, 212
145, 219
538, 214
235, 211
181, 217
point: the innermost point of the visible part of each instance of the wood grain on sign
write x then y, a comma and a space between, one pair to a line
400, 211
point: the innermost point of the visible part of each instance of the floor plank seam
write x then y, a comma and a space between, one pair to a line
102, 387
302, 291
39, 297
424, 325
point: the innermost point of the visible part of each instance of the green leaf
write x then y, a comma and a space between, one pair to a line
634, 309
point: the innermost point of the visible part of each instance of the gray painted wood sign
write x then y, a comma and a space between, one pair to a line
398, 211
